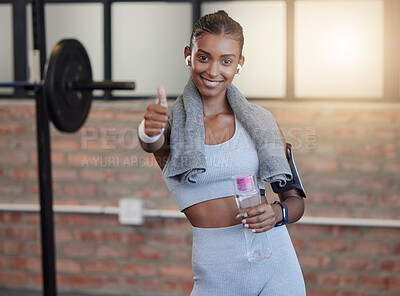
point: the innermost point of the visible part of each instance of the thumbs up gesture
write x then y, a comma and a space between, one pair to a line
156, 116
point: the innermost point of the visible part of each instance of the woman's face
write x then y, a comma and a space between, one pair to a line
214, 60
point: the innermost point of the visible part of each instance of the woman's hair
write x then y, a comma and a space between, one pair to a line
218, 23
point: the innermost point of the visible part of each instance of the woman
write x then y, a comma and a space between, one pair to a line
198, 159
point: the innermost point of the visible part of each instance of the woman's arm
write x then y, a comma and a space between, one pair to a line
266, 216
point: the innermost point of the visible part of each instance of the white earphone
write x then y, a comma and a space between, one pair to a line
187, 61
239, 69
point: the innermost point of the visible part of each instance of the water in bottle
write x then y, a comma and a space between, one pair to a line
247, 196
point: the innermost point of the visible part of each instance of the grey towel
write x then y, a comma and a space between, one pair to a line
187, 156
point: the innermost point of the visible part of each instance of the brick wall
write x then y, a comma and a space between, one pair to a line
348, 155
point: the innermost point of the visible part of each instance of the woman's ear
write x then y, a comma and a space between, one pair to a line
186, 52
241, 61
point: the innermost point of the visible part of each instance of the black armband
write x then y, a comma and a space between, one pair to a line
295, 183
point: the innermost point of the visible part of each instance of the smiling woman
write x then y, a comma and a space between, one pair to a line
211, 134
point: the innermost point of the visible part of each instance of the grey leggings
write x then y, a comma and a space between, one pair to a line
221, 268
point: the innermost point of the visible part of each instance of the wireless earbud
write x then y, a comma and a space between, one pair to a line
239, 69
187, 61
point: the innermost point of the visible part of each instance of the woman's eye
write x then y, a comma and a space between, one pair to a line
227, 61
203, 58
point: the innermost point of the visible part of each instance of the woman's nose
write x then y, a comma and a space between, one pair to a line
213, 69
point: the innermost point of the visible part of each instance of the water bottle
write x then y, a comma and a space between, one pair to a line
248, 196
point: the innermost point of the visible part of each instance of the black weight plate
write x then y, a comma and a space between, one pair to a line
68, 109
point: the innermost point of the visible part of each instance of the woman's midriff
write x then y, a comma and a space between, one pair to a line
220, 212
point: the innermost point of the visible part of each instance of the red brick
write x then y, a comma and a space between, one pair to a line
131, 115
375, 213
374, 184
301, 230
389, 200
148, 253
176, 271
327, 245
63, 174
379, 282
315, 261
186, 287
78, 251
318, 165
322, 292
309, 277
65, 145
14, 278
150, 193
168, 239
397, 249
18, 112
120, 284
79, 189
355, 199
33, 248
320, 197
337, 280
96, 236
334, 116
63, 235
181, 255
128, 238
107, 251
68, 266
390, 265
116, 191
21, 232
10, 217
96, 175
11, 248
371, 247
85, 282
133, 177
102, 267
76, 219
14, 158
158, 285
27, 263
23, 173
13, 128
392, 167
366, 166
328, 181
343, 231
179, 224
335, 212
32, 218
11, 189
388, 150
5, 262
383, 116
366, 150
384, 233
101, 114
355, 263
344, 133
357, 293
135, 269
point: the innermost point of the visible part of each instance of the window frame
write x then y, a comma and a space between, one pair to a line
391, 79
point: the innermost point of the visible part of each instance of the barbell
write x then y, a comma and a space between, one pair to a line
68, 85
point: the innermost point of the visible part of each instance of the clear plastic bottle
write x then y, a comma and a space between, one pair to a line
248, 196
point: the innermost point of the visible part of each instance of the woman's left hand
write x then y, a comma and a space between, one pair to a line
260, 218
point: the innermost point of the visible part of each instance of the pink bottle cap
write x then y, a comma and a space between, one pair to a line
245, 183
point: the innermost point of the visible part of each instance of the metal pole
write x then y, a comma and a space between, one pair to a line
44, 160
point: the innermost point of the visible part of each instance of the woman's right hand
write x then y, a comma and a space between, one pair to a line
156, 116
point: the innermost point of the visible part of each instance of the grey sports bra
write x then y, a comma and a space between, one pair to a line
235, 156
